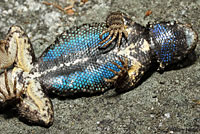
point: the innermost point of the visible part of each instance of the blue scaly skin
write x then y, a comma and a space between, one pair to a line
89, 58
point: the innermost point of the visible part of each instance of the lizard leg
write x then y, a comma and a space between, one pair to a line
127, 77
36, 107
16, 48
116, 23
18, 88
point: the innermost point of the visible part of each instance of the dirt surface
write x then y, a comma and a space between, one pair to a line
162, 103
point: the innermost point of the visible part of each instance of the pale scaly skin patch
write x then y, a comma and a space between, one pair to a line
145, 47
8, 50
16, 48
135, 71
24, 58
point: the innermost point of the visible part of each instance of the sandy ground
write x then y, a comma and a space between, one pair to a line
162, 103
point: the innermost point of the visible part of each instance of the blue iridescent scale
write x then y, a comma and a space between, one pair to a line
91, 79
78, 51
75, 40
166, 38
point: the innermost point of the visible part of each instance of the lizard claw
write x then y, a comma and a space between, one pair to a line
121, 78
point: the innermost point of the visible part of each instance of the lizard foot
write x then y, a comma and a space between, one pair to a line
116, 26
121, 80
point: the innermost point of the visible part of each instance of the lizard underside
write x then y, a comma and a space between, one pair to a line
89, 58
